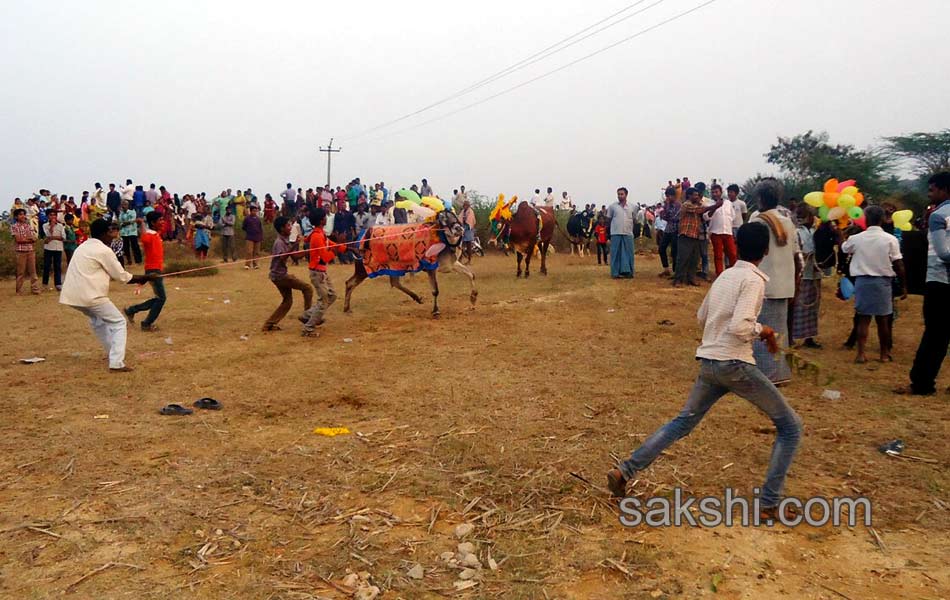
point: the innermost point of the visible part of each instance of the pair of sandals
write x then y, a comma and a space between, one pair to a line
179, 410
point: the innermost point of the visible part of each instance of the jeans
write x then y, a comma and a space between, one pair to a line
152, 305
688, 251
716, 379
667, 241
934, 342
326, 295
54, 259
704, 255
108, 323
603, 249
286, 285
130, 249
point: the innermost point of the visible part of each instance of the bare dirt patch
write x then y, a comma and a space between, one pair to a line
479, 417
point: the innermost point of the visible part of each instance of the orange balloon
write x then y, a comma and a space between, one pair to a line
831, 199
858, 199
831, 186
843, 222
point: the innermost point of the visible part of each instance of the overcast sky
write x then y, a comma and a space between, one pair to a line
203, 94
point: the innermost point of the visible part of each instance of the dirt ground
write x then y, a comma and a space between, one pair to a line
479, 417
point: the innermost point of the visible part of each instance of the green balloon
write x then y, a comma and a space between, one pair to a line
855, 212
823, 212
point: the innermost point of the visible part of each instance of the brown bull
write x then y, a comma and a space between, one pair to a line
523, 234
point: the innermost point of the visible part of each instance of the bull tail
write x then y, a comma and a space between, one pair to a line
561, 229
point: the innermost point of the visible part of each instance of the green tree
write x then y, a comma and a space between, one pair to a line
807, 160
929, 152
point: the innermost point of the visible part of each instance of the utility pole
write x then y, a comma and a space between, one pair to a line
329, 150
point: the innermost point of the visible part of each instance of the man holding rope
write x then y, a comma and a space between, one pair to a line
86, 288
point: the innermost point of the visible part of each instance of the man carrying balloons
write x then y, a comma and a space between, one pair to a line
936, 338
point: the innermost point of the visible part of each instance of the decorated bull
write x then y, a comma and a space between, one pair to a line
531, 227
397, 250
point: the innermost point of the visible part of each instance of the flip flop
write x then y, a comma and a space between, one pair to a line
208, 404
175, 410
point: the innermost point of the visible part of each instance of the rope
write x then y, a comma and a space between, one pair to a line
269, 256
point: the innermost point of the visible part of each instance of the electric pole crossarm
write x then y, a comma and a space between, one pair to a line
329, 150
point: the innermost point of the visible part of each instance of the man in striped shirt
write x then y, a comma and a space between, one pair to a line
729, 316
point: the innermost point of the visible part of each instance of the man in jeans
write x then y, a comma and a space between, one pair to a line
282, 280
729, 318
154, 265
25, 238
936, 338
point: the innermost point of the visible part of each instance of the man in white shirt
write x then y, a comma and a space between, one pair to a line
728, 316
86, 289
536, 198
875, 261
54, 234
127, 191
739, 208
189, 206
99, 204
720, 231
566, 201
549, 198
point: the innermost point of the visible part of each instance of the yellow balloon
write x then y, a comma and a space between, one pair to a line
846, 201
433, 203
902, 219
850, 190
815, 199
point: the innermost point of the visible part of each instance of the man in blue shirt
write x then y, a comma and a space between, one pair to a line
936, 338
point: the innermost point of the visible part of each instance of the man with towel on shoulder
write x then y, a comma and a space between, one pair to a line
783, 265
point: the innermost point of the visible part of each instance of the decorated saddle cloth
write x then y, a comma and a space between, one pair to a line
400, 249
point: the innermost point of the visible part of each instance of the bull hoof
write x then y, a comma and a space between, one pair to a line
436, 314
417, 299
519, 275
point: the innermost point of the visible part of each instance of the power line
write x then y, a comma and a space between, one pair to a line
549, 73
521, 64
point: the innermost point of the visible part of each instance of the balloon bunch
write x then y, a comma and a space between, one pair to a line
502, 210
839, 201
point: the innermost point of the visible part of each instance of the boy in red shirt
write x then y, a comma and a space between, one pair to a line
154, 249
322, 251
600, 232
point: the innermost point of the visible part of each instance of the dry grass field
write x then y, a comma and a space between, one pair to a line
479, 417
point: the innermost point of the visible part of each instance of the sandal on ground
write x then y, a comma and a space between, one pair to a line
149, 328
310, 334
175, 410
207, 404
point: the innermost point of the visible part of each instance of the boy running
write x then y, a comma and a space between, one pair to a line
729, 315
154, 264
321, 253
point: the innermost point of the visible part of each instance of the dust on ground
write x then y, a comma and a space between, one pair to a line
497, 417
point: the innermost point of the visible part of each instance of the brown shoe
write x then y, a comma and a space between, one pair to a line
771, 514
125, 369
616, 483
